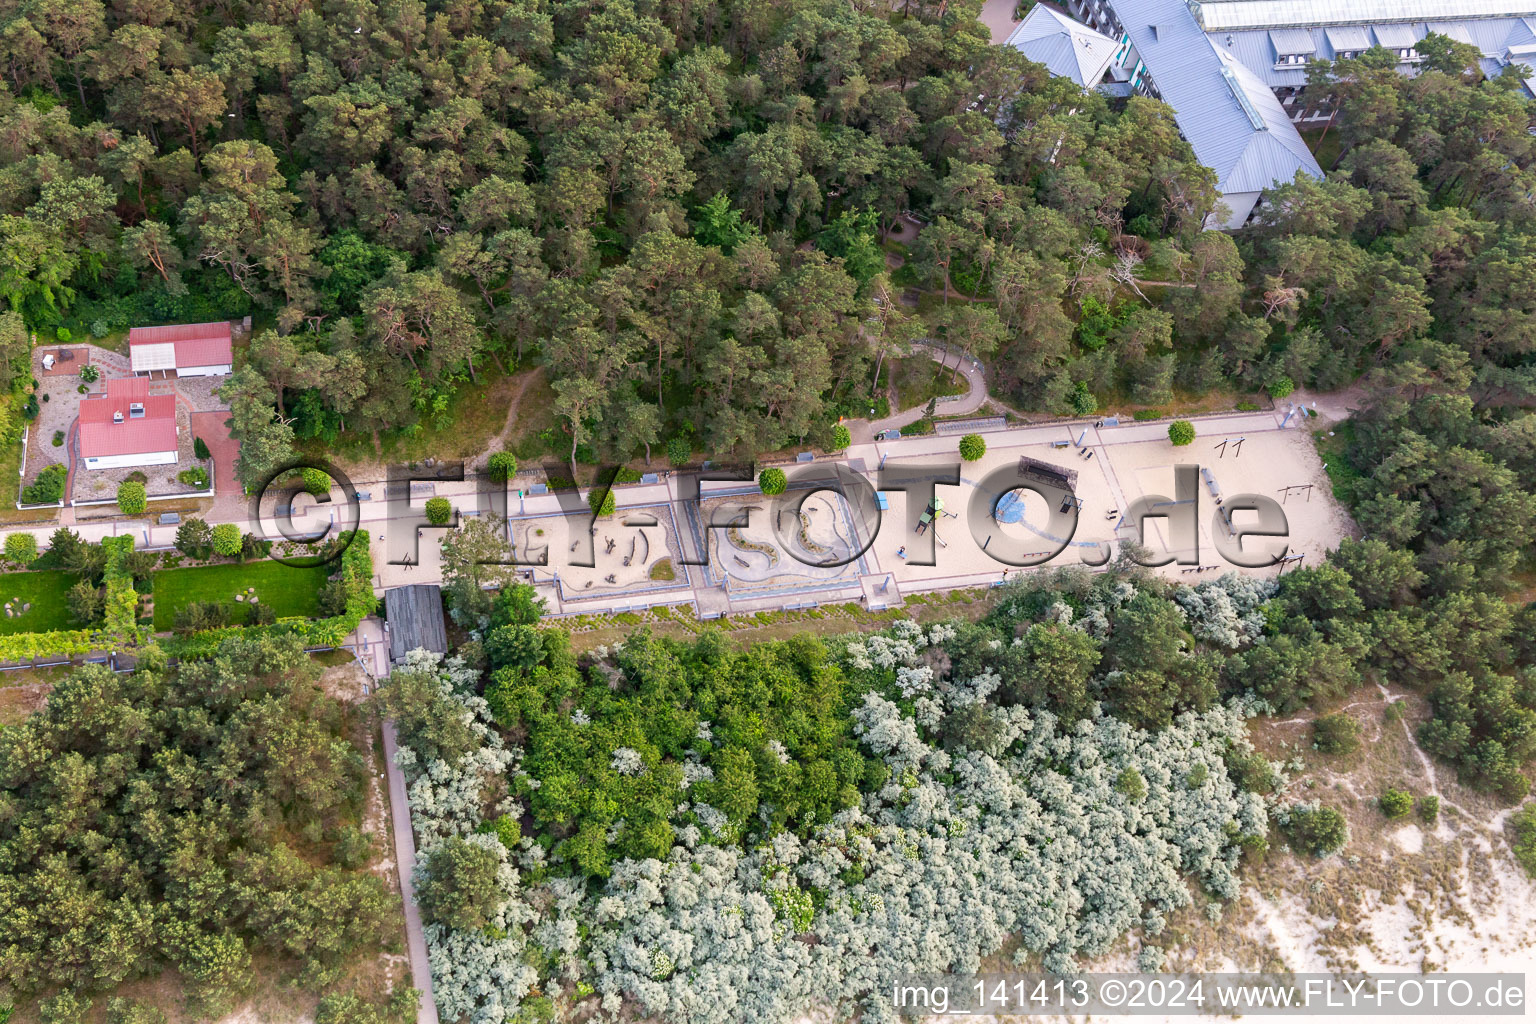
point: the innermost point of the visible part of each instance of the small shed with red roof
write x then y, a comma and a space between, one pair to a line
186, 350
128, 426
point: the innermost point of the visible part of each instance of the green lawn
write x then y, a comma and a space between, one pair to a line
46, 592
289, 591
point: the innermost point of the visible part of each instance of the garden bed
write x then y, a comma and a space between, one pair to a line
55, 419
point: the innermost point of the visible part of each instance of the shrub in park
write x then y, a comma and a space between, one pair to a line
459, 888
502, 466
1395, 803
194, 538
1181, 433
1130, 783
1337, 733
1280, 387
439, 511
679, 450
354, 847
1081, 400
1316, 830
333, 599
772, 480
48, 487
972, 447
196, 616
67, 1007
602, 501
200, 448
840, 438
519, 646
21, 548
517, 604
507, 830
252, 546
1429, 809
86, 602
227, 540
316, 481
131, 498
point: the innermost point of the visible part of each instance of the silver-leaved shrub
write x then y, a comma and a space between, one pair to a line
959, 850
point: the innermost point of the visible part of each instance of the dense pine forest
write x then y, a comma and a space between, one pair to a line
684, 211
201, 820
717, 220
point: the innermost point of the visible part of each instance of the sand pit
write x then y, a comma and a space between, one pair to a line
966, 543
1277, 465
1035, 525
633, 551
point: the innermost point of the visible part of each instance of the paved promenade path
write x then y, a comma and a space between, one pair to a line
963, 405
372, 649
399, 532
665, 496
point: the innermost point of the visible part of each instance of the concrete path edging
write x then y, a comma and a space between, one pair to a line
372, 650
405, 857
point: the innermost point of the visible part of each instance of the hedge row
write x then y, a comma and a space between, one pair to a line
120, 630
122, 610
356, 574
57, 643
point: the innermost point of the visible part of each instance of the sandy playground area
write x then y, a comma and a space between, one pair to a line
967, 539
634, 550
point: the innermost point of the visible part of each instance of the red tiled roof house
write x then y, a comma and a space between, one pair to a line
128, 426
185, 350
